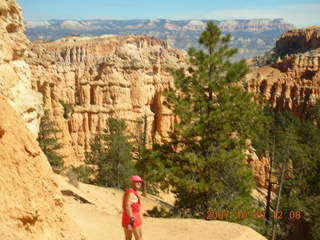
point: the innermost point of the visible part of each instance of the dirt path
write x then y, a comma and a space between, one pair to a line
102, 220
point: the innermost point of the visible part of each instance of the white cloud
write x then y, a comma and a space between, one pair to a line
301, 15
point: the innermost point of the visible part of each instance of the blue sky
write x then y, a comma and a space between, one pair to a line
300, 13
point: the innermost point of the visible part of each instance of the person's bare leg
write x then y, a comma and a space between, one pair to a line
137, 232
127, 233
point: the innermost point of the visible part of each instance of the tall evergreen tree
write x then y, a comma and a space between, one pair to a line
204, 160
111, 153
49, 143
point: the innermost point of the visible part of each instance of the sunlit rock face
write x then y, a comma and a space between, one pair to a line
102, 77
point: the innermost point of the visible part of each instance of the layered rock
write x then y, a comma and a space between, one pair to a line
15, 74
102, 77
293, 81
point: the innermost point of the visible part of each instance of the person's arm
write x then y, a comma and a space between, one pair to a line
127, 203
128, 200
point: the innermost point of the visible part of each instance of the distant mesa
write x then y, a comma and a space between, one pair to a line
252, 37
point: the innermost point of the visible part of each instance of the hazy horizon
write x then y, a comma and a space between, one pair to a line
299, 13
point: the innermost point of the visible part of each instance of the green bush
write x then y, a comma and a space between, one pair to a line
67, 109
159, 213
79, 174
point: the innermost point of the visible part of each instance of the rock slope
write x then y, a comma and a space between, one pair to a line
32, 207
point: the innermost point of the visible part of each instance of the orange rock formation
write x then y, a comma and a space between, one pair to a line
293, 82
120, 76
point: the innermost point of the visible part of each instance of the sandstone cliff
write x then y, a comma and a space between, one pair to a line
31, 203
103, 77
293, 81
15, 74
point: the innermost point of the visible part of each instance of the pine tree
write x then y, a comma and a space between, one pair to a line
294, 141
302, 188
111, 153
204, 159
49, 143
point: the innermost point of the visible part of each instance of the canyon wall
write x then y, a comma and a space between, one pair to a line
102, 77
293, 81
110, 76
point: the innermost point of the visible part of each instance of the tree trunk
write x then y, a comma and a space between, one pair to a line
274, 222
145, 186
267, 214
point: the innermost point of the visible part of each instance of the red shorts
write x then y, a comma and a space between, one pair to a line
126, 220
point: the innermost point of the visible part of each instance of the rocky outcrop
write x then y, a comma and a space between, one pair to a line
298, 41
293, 81
31, 203
102, 77
15, 74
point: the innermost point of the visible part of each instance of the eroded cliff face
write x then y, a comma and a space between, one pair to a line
293, 82
15, 74
102, 77
299, 40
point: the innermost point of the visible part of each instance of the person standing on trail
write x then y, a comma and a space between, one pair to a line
131, 214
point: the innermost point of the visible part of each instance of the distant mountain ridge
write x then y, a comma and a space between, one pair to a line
253, 37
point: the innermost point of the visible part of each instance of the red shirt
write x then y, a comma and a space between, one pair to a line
135, 208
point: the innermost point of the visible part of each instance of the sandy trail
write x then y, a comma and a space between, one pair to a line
102, 220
